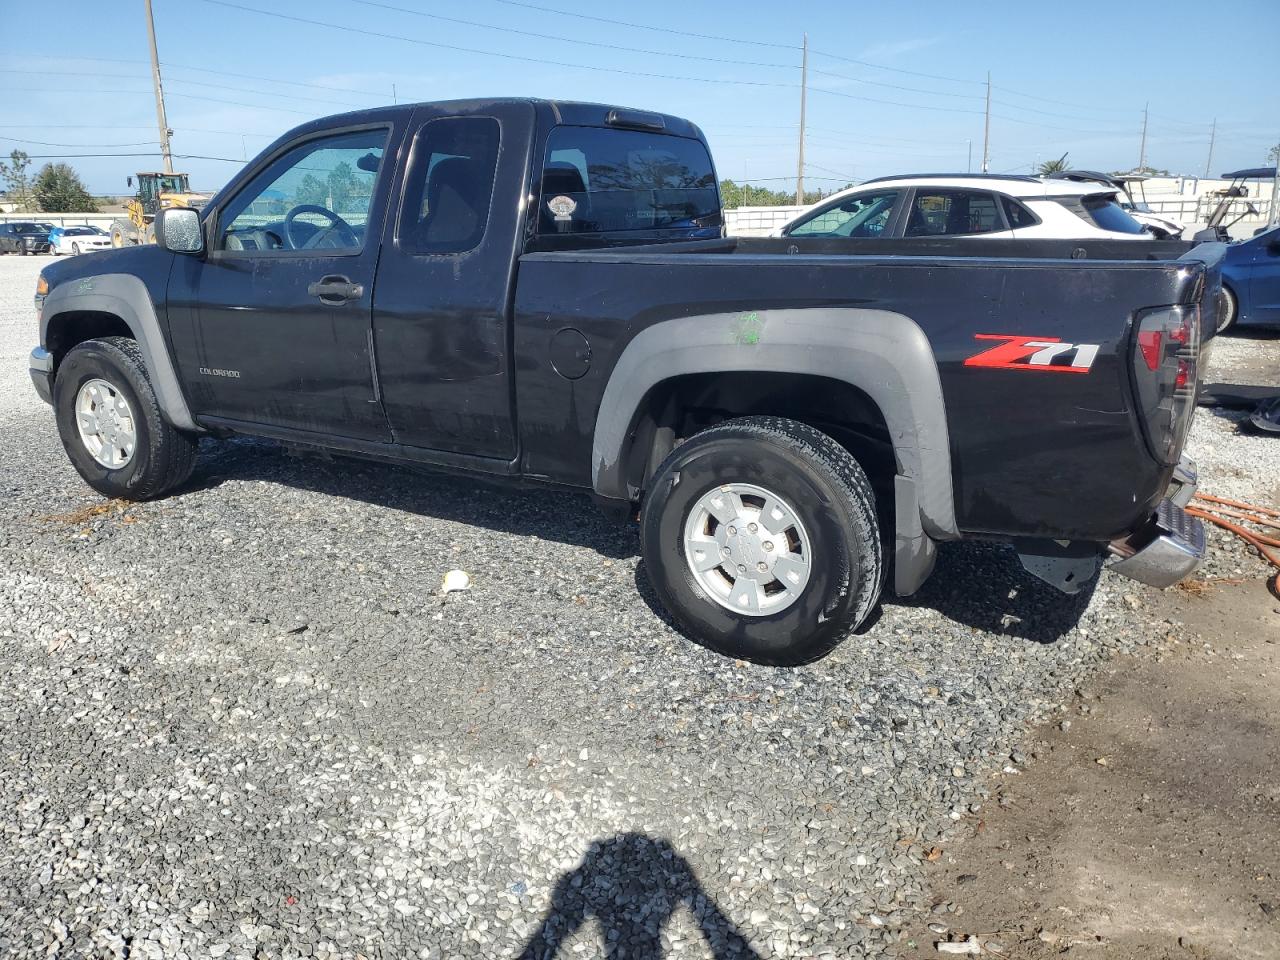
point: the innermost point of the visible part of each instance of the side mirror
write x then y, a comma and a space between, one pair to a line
1273, 248
130, 180
178, 230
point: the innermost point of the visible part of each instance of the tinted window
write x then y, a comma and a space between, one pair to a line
316, 197
449, 186
865, 215
597, 180
937, 213
1018, 215
26, 228
1108, 214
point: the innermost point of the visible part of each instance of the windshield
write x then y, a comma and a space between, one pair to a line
173, 184
28, 228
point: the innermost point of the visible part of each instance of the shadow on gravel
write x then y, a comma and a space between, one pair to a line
631, 885
543, 512
983, 585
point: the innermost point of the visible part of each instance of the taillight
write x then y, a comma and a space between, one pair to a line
1165, 362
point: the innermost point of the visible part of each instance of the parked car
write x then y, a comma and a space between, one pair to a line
1251, 280
76, 240
1135, 205
23, 237
515, 288
968, 205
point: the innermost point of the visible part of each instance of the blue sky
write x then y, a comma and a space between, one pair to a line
1062, 81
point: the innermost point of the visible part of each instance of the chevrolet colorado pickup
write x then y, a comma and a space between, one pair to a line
542, 291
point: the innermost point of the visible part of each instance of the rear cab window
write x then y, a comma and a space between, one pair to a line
597, 180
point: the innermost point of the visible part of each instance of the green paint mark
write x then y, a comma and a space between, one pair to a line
747, 329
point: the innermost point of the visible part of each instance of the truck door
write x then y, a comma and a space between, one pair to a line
445, 279
281, 306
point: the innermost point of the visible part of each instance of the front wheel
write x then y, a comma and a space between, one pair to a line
110, 422
760, 537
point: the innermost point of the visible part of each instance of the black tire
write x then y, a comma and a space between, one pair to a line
828, 491
163, 456
1230, 309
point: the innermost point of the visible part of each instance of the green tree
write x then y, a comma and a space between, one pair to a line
311, 190
734, 195
17, 183
58, 189
1273, 156
1054, 166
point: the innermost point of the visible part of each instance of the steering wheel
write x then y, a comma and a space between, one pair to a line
337, 226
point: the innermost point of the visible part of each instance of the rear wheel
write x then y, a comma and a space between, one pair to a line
75, 248
1230, 309
110, 423
760, 538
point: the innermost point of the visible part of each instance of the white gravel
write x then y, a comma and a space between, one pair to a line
242, 722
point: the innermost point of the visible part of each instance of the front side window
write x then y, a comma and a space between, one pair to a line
598, 180
316, 197
949, 213
865, 215
449, 186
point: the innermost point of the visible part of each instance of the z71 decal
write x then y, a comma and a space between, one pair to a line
1034, 353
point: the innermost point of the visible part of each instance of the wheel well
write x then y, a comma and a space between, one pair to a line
681, 406
68, 329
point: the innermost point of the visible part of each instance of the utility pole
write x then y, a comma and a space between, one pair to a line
1142, 149
969, 166
804, 83
155, 78
986, 129
1213, 130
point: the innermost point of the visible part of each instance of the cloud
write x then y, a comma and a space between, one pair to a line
897, 48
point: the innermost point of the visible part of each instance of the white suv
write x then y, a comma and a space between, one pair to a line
968, 205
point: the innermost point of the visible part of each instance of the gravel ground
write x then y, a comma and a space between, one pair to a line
243, 722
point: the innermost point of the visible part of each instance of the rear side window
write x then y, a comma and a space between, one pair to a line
944, 213
1018, 215
1103, 210
449, 185
866, 215
598, 180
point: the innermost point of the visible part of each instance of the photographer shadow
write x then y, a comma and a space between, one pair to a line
631, 885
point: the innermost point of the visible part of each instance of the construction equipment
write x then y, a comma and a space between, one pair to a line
156, 191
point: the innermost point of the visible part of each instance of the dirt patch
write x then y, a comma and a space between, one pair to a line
1147, 825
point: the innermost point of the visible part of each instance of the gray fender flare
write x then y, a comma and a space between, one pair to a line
884, 354
126, 297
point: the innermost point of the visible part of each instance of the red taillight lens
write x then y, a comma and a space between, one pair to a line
1149, 342
1165, 361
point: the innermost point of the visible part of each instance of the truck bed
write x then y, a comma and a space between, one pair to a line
1022, 444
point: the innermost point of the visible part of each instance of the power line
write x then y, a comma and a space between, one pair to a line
101, 146
564, 39
878, 66
186, 96
201, 83
892, 103
490, 53
641, 26
154, 153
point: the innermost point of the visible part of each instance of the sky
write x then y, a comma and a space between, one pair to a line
893, 87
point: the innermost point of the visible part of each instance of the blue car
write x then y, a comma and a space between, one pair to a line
1251, 281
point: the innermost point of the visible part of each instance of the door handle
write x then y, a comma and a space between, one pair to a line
335, 289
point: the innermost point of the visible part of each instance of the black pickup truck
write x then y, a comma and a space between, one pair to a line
542, 291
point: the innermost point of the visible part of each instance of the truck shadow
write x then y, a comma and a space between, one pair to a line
631, 885
980, 585
544, 512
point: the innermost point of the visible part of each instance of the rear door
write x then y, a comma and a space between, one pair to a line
948, 212
1264, 282
446, 277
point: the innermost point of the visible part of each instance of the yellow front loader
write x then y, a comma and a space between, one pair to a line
156, 191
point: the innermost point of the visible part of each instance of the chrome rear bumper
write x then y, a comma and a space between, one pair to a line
1171, 544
